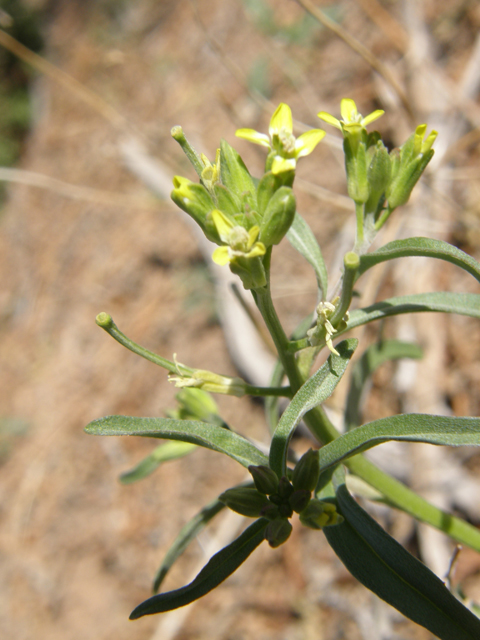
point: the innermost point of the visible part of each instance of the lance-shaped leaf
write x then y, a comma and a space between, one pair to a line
315, 391
426, 247
371, 359
188, 533
465, 304
302, 239
411, 427
193, 431
163, 453
218, 568
386, 568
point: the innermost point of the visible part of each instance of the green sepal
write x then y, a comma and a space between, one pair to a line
278, 216
265, 190
246, 501
379, 173
251, 272
277, 532
356, 167
306, 472
227, 202
235, 175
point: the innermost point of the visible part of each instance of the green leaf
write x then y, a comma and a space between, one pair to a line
302, 239
188, 533
386, 568
371, 359
195, 432
412, 427
466, 304
163, 453
426, 247
315, 391
218, 568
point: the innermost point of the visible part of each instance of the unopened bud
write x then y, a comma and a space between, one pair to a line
244, 500
306, 472
278, 216
299, 500
277, 532
265, 479
319, 514
285, 488
235, 175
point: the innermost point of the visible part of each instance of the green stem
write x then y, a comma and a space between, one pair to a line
105, 321
351, 262
359, 215
279, 392
383, 218
407, 500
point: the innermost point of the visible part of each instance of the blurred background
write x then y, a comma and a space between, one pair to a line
85, 156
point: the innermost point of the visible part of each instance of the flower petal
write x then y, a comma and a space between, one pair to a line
281, 119
330, 119
307, 142
221, 256
279, 165
257, 250
348, 109
253, 136
252, 236
372, 116
222, 224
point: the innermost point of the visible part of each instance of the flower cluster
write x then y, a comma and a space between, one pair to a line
277, 499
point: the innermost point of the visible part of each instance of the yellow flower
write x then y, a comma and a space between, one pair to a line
282, 142
352, 121
239, 243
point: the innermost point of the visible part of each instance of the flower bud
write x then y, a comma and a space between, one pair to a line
285, 488
265, 479
277, 532
318, 514
195, 200
410, 161
244, 500
235, 175
306, 472
299, 500
278, 216
196, 403
226, 200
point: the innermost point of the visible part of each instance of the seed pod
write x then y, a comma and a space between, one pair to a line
265, 479
244, 500
306, 472
277, 532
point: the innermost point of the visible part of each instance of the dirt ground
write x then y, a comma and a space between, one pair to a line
78, 550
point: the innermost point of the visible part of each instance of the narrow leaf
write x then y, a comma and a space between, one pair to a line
393, 574
315, 391
188, 533
426, 247
302, 239
218, 568
412, 427
163, 453
466, 304
195, 432
371, 359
